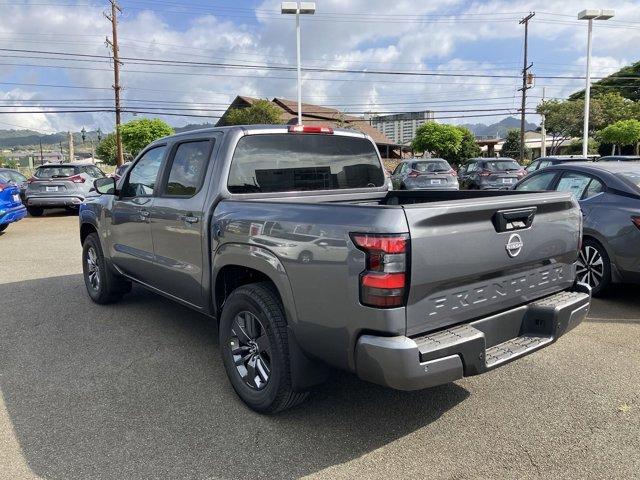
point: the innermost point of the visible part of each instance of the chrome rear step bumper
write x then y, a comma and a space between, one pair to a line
472, 348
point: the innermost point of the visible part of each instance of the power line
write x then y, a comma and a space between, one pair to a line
184, 63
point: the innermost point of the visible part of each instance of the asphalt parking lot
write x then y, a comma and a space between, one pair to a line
136, 390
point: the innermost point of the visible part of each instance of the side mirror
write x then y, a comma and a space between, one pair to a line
105, 185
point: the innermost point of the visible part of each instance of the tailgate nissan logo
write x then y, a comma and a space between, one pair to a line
514, 245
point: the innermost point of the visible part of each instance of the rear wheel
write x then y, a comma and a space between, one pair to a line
254, 348
103, 285
35, 211
594, 267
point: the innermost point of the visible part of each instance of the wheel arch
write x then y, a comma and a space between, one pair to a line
237, 264
86, 229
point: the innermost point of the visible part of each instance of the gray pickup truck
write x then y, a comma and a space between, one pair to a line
289, 237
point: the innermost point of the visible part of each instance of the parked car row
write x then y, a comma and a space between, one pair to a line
51, 186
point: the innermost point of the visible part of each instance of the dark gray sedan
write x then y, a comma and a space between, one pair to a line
490, 173
428, 173
609, 196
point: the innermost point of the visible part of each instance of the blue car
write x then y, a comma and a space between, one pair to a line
11, 207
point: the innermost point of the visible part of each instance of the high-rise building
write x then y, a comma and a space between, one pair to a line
401, 128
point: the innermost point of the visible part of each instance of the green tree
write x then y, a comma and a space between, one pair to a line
262, 112
468, 148
137, 134
106, 149
624, 81
511, 145
609, 108
442, 140
621, 133
563, 120
575, 147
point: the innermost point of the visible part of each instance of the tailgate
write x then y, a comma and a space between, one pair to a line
474, 257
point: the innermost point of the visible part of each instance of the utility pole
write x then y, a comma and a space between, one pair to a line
41, 154
543, 131
113, 43
525, 69
71, 150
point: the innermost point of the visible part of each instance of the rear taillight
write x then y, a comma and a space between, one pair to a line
636, 220
310, 129
31, 180
521, 173
452, 172
383, 283
484, 173
413, 174
76, 179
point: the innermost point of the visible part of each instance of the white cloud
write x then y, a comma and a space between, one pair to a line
390, 38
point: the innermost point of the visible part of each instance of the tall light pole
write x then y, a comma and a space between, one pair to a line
298, 8
590, 14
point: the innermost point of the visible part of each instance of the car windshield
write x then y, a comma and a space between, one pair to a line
301, 162
431, 166
502, 165
632, 177
55, 172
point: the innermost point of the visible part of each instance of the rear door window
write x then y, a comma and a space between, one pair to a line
188, 168
141, 181
573, 182
303, 162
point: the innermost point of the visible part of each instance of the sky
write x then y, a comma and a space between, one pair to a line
53, 57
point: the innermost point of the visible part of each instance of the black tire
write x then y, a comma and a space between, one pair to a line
305, 257
244, 363
35, 211
594, 267
3, 227
103, 285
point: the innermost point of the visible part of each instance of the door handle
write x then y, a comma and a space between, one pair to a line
189, 219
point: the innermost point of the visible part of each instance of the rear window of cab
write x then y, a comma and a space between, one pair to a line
303, 162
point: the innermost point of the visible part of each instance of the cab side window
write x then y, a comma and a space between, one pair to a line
188, 168
141, 181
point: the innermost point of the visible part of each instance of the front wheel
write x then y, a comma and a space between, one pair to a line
594, 267
103, 285
255, 350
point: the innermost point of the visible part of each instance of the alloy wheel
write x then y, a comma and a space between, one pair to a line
93, 270
590, 266
251, 350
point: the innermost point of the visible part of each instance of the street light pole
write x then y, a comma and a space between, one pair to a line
587, 93
590, 15
298, 8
